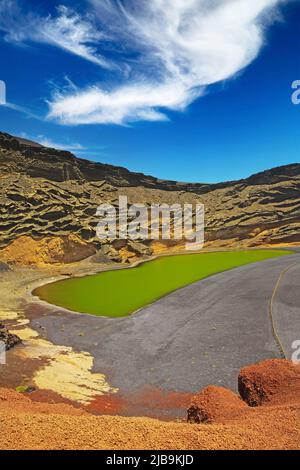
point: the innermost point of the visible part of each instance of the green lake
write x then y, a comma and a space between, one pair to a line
120, 292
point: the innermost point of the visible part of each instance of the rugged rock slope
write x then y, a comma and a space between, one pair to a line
271, 383
51, 193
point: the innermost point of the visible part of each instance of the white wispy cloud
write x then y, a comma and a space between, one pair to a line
184, 46
175, 50
20, 109
66, 30
48, 142
126, 103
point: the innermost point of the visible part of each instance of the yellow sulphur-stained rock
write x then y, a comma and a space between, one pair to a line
69, 374
66, 372
26, 334
8, 315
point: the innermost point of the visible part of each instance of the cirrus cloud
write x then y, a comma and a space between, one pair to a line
171, 51
67, 30
183, 47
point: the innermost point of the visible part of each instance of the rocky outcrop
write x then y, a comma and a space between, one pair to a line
7, 338
49, 193
215, 404
270, 382
274, 382
122, 251
27, 251
29, 158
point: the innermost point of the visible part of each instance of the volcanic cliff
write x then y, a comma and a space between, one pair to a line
48, 196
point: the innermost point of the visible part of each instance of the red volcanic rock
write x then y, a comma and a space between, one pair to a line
274, 382
270, 382
215, 405
35, 425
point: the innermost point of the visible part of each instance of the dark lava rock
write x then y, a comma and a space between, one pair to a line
4, 268
7, 338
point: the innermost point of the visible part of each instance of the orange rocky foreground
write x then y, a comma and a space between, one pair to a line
233, 424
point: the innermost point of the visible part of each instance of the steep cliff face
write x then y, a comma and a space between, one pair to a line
263, 209
33, 160
51, 193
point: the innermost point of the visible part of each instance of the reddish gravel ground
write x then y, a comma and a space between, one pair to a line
275, 424
150, 402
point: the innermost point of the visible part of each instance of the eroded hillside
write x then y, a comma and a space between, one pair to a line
51, 193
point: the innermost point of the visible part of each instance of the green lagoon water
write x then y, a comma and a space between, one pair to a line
123, 291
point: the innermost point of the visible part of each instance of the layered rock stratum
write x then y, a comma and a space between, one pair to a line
51, 194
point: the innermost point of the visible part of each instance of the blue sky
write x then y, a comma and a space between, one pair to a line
187, 90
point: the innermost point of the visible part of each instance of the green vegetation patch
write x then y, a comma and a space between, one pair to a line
123, 291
